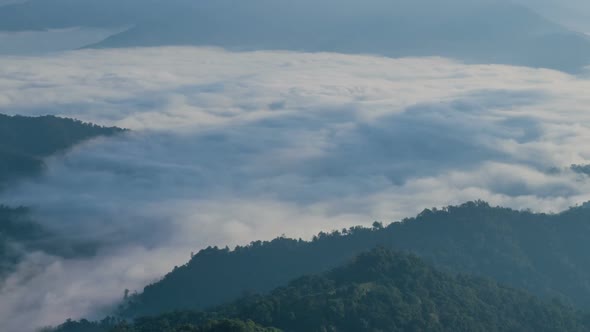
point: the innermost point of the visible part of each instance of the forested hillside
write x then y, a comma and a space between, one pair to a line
378, 291
177, 322
544, 254
25, 141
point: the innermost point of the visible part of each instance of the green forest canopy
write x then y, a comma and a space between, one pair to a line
378, 291
545, 254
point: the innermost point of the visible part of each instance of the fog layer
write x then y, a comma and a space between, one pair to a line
232, 147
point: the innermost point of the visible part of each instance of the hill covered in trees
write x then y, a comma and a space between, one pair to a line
177, 322
378, 291
26, 141
545, 254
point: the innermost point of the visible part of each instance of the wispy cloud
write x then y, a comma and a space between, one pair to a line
233, 147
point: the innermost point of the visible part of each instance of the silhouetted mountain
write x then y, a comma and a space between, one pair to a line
542, 253
379, 291
481, 31
472, 32
26, 141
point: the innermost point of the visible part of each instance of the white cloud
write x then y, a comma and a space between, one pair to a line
233, 147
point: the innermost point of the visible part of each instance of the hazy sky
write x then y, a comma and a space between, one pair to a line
40, 42
572, 13
6, 2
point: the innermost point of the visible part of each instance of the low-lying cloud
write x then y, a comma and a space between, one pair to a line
232, 147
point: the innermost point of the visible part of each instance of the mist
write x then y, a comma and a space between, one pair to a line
231, 147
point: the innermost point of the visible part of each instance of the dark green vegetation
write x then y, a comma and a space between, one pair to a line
482, 31
177, 322
26, 141
378, 291
544, 254
85, 326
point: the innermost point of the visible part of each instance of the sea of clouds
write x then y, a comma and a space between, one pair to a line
227, 148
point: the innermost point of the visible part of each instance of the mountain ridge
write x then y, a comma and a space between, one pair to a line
541, 253
379, 290
26, 141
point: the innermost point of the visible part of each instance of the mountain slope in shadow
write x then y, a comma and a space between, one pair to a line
544, 254
26, 141
378, 291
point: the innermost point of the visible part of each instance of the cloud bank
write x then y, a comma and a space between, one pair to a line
232, 147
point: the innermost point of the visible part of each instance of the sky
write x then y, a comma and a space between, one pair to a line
572, 13
43, 42
227, 148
